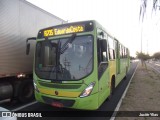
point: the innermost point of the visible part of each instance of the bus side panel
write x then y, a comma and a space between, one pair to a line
104, 87
123, 70
112, 68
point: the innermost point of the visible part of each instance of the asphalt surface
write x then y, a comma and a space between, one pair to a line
154, 65
53, 113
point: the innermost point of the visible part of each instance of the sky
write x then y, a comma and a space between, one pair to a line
119, 17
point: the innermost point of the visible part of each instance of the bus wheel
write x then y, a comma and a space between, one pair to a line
26, 91
125, 77
112, 88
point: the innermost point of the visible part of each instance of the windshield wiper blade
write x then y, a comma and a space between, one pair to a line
58, 56
66, 45
61, 50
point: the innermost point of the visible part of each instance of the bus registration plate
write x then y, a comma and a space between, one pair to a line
57, 104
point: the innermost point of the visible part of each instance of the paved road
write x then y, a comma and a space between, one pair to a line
100, 114
155, 65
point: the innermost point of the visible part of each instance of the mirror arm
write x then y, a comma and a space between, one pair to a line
32, 38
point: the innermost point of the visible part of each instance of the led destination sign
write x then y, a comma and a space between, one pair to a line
63, 30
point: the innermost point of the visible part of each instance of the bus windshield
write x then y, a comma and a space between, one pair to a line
57, 61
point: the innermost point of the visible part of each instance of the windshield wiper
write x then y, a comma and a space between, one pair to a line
66, 44
58, 57
60, 50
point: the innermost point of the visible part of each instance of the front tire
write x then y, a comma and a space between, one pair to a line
112, 88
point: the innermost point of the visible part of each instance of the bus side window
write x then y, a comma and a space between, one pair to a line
111, 54
112, 48
102, 50
120, 50
102, 57
102, 46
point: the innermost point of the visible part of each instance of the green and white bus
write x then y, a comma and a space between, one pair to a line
77, 65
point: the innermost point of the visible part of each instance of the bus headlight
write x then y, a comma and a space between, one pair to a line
88, 90
35, 86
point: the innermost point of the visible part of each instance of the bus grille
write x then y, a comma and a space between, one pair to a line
60, 86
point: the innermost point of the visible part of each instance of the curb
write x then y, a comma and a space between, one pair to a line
124, 94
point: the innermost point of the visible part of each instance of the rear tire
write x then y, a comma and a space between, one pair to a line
125, 77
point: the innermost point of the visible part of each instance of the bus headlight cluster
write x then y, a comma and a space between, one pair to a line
35, 86
88, 90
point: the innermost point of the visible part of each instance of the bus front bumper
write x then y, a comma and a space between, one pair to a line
86, 103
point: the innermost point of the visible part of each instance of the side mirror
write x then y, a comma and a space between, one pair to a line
103, 44
28, 44
27, 48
